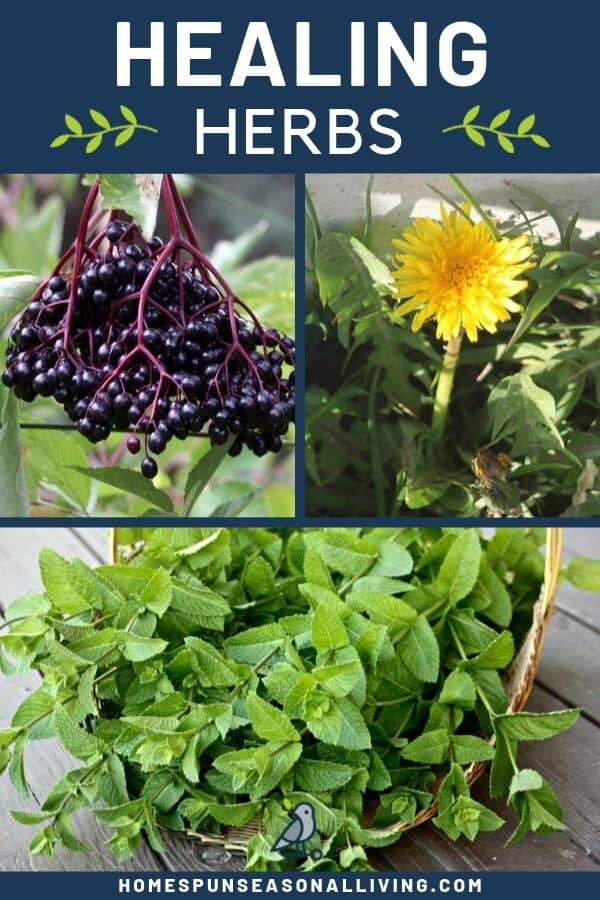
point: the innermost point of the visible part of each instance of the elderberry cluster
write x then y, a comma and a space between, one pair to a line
147, 342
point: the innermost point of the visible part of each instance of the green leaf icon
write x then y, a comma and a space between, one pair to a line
60, 140
99, 119
500, 119
95, 135
539, 140
124, 136
471, 114
526, 124
93, 144
506, 136
73, 124
128, 114
475, 136
506, 143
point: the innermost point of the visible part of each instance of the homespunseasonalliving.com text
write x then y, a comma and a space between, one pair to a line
313, 884
380, 54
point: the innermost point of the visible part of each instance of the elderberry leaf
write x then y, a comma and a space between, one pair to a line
13, 487
130, 482
137, 195
200, 475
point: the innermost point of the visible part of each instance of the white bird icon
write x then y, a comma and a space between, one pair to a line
300, 830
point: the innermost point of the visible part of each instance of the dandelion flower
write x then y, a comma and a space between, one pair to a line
458, 273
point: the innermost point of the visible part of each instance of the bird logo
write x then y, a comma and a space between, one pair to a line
294, 836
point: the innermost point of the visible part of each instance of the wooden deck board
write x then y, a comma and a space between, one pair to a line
567, 676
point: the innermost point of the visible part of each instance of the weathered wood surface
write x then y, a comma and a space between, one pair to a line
568, 675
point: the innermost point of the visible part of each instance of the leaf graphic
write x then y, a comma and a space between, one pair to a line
124, 136
471, 114
93, 144
60, 140
73, 124
500, 119
475, 136
526, 124
505, 143
99, 119
128, 114
539, 140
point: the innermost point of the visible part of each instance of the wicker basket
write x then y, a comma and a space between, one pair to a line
519, 680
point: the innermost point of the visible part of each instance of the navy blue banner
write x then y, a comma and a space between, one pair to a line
376, 885
345, 87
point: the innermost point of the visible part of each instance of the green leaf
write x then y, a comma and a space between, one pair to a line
16, 767
99, 119
13, 488
315, 775
269, 722
259, 579
497, 655
471, 114
124, 136
64, 594
137, 195
500, 118
253, 644
341, 725
525, 780
351, 280
201, 474
524, 726
93, 144
328, 631
54, 457
130, 482
542, 298
475, 136
430, 748
59, 140
468, 749
16, 290
267, 285
491, 596
584, 573
540, 141
158, 593
137, 649
233, 813
75, 740
524, 414
459, 690
526, 124
128, 114
420, 651
506, 144
73, 124
460, 568
468, 817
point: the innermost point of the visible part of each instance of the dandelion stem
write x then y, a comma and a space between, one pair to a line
443, 392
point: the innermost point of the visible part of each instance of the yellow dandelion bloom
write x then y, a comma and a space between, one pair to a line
458, 273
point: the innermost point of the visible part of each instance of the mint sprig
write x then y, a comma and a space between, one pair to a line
476, 131
123, 133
